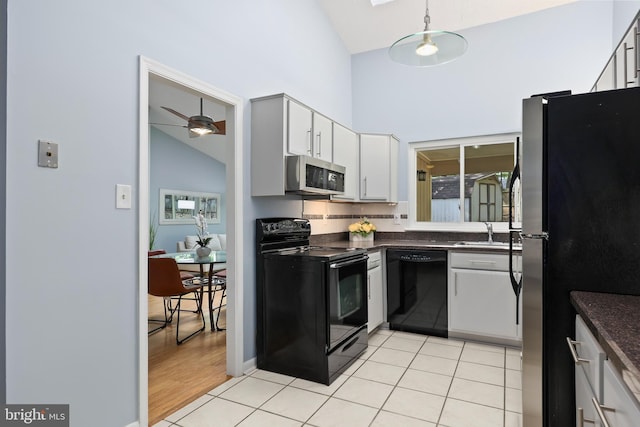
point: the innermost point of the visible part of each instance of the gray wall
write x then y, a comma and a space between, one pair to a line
481, 92
176, 166
3, 192
73, 79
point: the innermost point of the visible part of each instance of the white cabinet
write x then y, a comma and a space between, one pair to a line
620, 407
602, 398
481, 300
309, 133
345, 153
378, 168
299, 127
281, 126
322, 138
374, 291
588, 358
623, 69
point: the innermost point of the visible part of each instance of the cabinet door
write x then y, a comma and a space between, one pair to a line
585, 411
374, 167
620, 67
376, 314
345, 153
322, 138
482, 303
631, 58
299, 123
607, 80
625, 409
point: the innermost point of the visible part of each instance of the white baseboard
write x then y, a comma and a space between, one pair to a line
133, 424
249, 365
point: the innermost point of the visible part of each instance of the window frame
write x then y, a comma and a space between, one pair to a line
461, 144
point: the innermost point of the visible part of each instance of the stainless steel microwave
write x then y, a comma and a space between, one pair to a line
308, 175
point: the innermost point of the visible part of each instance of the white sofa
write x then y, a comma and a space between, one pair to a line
218, 242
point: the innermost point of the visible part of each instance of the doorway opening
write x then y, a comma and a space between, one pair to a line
233, 115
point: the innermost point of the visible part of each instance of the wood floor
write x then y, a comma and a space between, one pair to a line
179, 374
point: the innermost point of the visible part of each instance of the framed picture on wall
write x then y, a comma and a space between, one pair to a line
179, 206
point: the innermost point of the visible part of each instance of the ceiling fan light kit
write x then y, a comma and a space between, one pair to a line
429, 47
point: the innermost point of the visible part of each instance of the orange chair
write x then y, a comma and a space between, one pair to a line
183, 274
165, 281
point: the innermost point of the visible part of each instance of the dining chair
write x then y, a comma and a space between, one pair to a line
165, 281
220, 285
184, 275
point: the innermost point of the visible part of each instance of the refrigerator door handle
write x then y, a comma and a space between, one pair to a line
515, 176
516, 284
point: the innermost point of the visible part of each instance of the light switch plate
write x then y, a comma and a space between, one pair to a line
123, 196
47, 154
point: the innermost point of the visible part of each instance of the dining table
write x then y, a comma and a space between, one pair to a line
208, 279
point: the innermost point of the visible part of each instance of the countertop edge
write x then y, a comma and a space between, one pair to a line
415, 244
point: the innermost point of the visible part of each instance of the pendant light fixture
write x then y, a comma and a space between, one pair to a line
429, 47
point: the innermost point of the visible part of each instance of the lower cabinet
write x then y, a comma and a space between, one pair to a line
375, 291
588, 358
620, 407
481, 300
602, 398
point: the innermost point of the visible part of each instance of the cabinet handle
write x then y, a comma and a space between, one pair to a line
474, 261
582, 419
319, 153
600, 411
574, 353
626, 65
637, 52
309, 143
365, 185
368, 286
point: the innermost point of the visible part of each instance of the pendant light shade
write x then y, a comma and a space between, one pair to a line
429, 47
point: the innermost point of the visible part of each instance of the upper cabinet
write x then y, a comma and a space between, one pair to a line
378, 168
623, 69
345, 153
299, 121
282, 126
309, 133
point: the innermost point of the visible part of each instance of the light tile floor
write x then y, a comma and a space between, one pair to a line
402, 380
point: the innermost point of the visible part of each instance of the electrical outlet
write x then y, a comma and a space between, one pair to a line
396, 218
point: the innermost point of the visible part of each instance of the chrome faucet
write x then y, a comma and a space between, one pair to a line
490, 231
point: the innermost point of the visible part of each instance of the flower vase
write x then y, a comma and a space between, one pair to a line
203, 251
359, 238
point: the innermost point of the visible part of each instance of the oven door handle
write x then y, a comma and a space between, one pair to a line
349, 262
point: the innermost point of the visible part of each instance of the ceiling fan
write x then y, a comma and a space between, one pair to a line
198, 125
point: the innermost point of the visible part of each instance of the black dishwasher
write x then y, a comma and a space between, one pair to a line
417, 291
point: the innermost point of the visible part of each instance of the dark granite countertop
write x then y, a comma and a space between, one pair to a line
615, 322
414, 244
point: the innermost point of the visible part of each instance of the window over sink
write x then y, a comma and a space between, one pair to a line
461, 183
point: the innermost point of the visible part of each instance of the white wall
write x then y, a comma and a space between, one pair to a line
71, 277
481, 92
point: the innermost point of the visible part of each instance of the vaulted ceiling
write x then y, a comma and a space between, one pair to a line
365, 27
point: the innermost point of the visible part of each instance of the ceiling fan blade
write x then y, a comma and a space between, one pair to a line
171, 110
222, 127
168, 124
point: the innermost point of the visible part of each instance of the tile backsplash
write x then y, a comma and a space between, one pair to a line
335, 217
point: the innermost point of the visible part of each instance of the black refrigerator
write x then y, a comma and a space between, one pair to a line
580, 181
